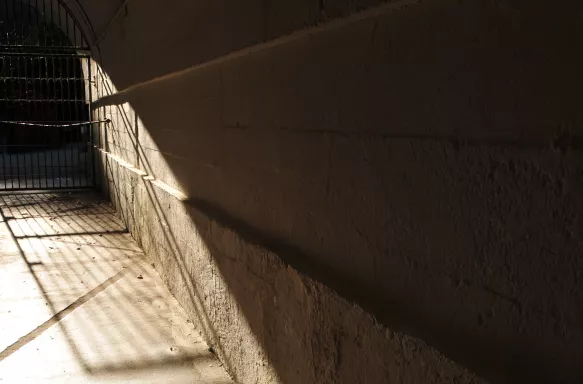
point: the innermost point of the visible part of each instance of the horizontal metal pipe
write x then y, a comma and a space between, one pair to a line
35, 55
58, 125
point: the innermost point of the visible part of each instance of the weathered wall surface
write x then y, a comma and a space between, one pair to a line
422, 159
266, 322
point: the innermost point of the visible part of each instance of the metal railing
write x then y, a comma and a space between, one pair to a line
45, 97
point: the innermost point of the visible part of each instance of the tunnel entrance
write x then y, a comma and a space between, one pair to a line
45, 71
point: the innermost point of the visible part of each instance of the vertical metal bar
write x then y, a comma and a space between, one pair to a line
3, 180
4, 24
34, 113
3, 128
50, 24
8, 88
69, 119
11, 82
54, 81
31, 102
10, 168
98, 80
75, 44
22, 22
62, 118
23, 79
50, 148
77, 62
60, 21
67, 106
24, 97
44, 23
13, 24
15, 13
39, 95
77, 117
92, 150
19, 102
7, 32
67, 17
88, 133
37, 13
29, 23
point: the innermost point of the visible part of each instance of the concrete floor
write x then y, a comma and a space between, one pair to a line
79, 302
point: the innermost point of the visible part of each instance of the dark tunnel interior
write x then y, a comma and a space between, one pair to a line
298, 191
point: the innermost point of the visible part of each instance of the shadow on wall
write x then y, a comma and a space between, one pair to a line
136, 214
468, 240
500, 361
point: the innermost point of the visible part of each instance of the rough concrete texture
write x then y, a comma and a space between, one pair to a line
185, 33
266, 322
422, 159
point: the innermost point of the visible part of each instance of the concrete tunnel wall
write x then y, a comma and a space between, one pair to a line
356, 191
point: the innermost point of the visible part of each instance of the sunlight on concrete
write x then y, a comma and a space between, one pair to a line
79, 302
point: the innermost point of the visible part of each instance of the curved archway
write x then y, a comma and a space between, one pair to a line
45, 70
46, 24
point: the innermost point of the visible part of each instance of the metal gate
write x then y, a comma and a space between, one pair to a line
45, 72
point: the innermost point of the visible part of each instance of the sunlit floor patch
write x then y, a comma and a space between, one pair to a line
80, 303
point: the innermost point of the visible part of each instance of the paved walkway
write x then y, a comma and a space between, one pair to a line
79, 303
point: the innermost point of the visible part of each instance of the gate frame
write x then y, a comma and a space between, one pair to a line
81, 51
